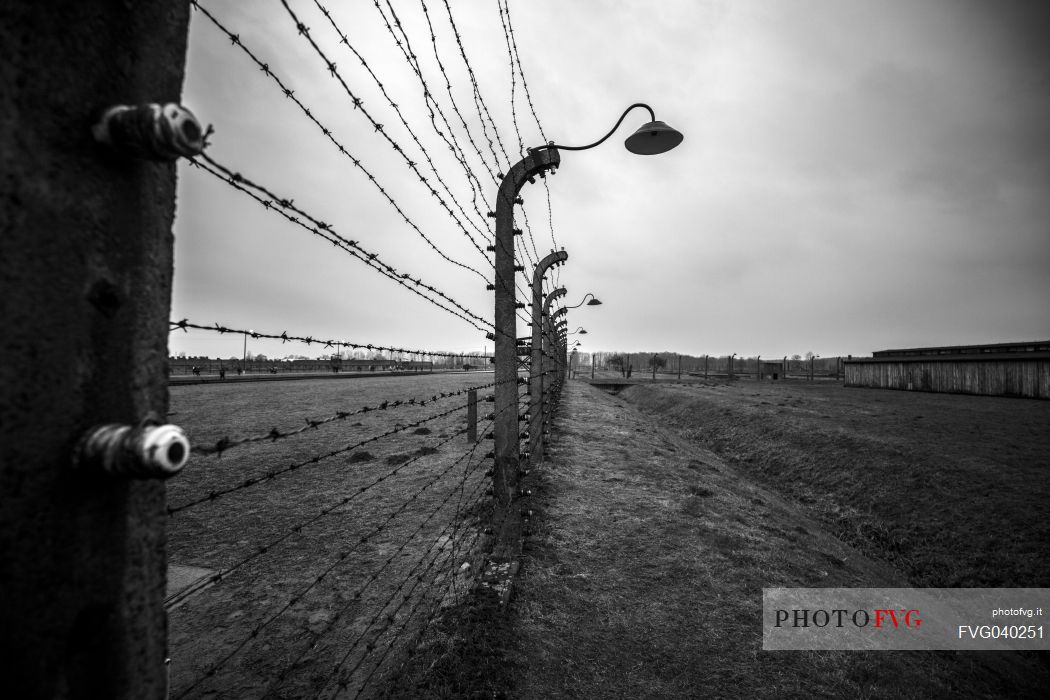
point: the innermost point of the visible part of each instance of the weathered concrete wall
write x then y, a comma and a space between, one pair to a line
85, 284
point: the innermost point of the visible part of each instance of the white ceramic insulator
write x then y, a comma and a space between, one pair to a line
164, 449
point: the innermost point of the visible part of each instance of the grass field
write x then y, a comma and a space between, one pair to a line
662, 513
331, 568
950, 489
666, 509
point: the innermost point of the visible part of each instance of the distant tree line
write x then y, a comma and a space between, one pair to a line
627, 363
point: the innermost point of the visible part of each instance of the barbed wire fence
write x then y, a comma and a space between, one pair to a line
322, 546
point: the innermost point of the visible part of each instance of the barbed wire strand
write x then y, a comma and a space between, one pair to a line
390, 617
284, 337
532, 108
374, 576
325, 231
333, 71
407, 618
448, 89
315, 581
316, 459
429, 94
225, 573
515, 66
459, 505
344, 40
515, 56
226, 443
550, 221
528, 229
513, 81
404, 45
358, 104
430, 101
479, 100
412, 648
290, 94
407, 52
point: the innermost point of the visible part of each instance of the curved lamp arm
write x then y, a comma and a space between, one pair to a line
594, 301
651, 138
652, 118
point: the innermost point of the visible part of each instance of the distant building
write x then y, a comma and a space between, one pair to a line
772, 370
1002, 369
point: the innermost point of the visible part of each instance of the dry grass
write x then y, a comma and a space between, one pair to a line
353, 583
646, 572
951, 489
659, 519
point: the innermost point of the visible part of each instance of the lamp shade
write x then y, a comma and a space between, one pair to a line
652, 138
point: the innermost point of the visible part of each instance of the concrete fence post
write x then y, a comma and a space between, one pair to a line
538, 384
86, 270
505, 428
547, 350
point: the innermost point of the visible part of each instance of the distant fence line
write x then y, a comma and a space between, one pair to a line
208, 365
709, 366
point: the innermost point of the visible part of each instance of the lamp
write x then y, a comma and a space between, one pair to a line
593, 302
650, 139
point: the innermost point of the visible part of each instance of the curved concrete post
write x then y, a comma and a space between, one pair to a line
561, 332
547, 328
546, 349
537, 380
505, 427
538, 395
559, 324
559, 292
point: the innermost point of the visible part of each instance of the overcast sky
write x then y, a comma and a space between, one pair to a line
855, 176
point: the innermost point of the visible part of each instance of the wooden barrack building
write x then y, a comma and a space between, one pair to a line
1002, 369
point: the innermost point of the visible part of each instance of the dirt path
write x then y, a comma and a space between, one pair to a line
644, 572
